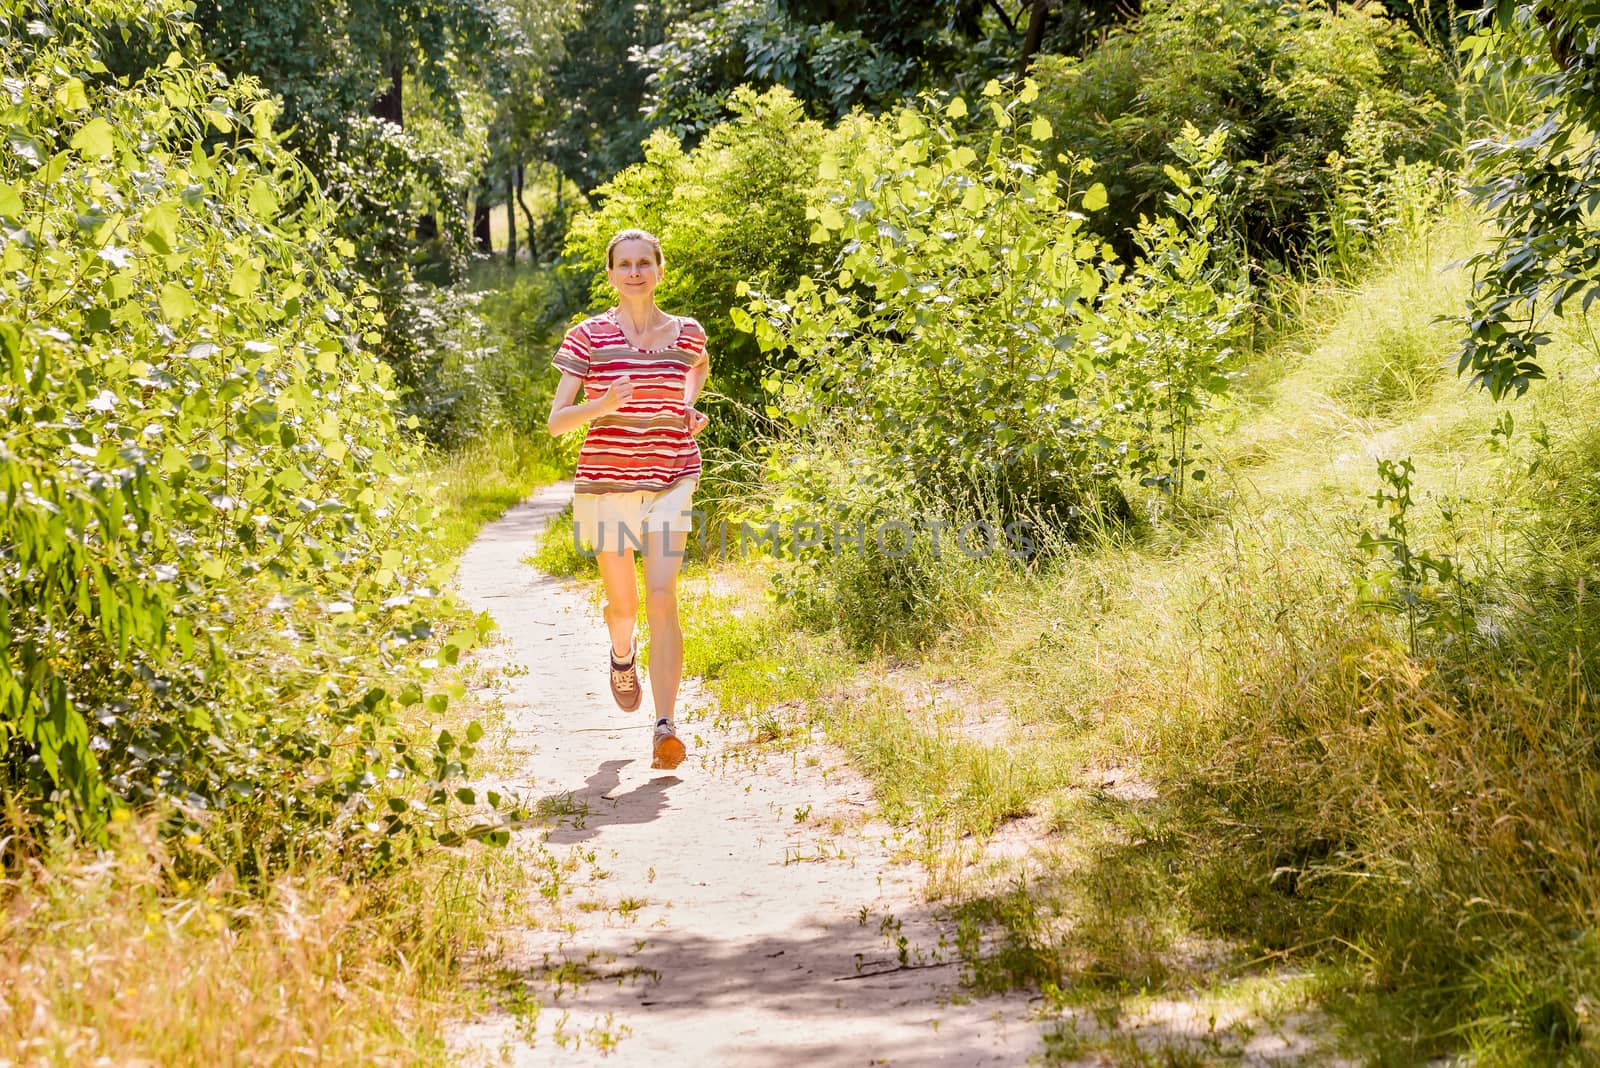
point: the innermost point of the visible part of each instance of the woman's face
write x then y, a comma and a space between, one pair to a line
634, 270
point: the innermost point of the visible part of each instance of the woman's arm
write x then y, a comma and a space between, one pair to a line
566, 415
693, 382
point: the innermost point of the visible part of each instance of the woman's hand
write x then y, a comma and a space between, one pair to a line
620, 393
695, 421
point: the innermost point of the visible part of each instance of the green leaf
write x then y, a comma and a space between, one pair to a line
1094, 198
160, 226
71, 97
474, 732
244, 281
10, 201
176, 304
95, 139
263, 200
1041, 129
956, 109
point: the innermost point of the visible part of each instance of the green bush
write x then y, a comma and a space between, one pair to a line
209, 548
1177, 318
958, 318
1284, 80
993, 345
488, 362
863, 551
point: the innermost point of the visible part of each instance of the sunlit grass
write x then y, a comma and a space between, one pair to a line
479, 482
108, 962
1292, 784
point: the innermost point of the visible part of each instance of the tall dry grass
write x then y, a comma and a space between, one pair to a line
112, 958
1418, 826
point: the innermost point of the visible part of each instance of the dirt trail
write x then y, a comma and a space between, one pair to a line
744, 909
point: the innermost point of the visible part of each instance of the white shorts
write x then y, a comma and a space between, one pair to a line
612, 522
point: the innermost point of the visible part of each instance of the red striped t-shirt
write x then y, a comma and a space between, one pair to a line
645, 444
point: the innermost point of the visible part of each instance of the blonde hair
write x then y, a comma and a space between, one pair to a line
635, 234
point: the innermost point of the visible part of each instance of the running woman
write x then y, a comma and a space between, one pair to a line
639, 370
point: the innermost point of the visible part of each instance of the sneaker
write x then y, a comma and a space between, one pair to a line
668, 752
625, 688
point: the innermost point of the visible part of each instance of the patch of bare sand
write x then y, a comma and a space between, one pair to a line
947, 708
745, 909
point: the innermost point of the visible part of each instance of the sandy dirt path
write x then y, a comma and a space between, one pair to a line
744, 909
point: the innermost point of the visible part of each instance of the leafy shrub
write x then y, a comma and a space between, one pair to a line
1178, 317
486, 358
1377, 202
958, 317
1537, 177
862, 550
1284, 80
746, 41
399, 166
208, 513
990, 342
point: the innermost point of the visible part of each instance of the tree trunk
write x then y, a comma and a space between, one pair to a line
388, 106
480, 227
527, 218
511, 219
1036, 18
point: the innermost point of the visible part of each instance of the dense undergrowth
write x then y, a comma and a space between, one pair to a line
233, 732
1344, 761
220, 582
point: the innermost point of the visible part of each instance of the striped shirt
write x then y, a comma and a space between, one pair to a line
645, 444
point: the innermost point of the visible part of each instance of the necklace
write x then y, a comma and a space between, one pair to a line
640, 332
660, 320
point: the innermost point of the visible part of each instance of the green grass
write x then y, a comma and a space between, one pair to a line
478, 483
1415, 831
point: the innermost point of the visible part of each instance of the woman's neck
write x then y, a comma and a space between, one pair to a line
639, 313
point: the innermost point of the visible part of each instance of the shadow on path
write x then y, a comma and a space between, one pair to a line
582, 813
831, 993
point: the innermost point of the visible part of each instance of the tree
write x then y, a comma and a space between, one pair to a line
1542, 185
597, 87
339, 65
832, 55
525, 111
384, 100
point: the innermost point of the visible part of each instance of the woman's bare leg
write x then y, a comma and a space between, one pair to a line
663, 557
622, 598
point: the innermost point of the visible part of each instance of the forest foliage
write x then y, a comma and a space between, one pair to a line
212, 536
